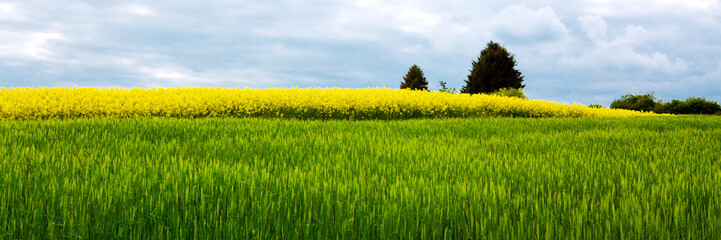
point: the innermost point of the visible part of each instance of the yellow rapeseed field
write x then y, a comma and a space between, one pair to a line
311, 103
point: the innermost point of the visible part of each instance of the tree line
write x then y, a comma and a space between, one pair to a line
649, 103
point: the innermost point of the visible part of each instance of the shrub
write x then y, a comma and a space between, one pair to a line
595, 106
510, 92
639, 102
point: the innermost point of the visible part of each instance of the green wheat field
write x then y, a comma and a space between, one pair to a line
475, 178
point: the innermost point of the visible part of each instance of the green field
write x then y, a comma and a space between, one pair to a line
478, 178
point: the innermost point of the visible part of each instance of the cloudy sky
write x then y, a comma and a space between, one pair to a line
588, 52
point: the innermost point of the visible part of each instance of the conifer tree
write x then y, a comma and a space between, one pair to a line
414, 79
494, 69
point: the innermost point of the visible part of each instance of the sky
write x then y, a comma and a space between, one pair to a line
587, 52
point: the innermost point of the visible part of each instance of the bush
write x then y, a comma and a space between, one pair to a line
595, 106
510, 92
639, 102
692, 105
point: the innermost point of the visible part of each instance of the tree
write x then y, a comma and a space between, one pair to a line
640, 102
414, 79
699, 105
494, 69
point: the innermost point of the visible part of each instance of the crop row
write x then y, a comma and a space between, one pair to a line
330, 103
479, 178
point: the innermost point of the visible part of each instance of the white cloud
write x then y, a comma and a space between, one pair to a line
29, 45
626, 51
11, 13
520, 23
404, 17
368, 18
169, 75
643, 8
595, 27
166, 75
137, 9
421, 26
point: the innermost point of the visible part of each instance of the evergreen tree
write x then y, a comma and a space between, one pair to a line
494, 70
414, 79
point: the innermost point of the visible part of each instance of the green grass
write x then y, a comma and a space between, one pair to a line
634, 178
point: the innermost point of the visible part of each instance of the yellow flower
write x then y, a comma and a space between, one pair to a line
323, 103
